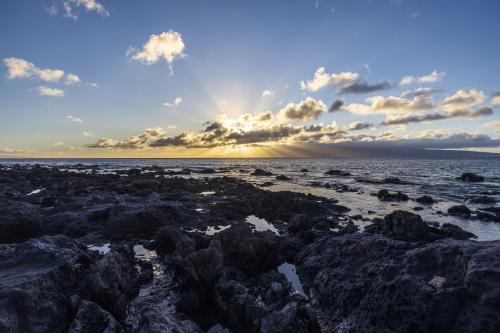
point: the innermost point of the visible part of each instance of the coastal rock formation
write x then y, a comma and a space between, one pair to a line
385, 195
470, 177
50, 283
406, 226
374, 284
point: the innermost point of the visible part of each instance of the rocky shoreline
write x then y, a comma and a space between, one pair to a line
142, 250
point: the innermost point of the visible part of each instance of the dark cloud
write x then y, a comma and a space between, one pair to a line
357, 126
420, 92
365, 87
417, 118
496, 94
336, 105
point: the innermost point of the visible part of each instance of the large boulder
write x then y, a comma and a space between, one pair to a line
470, 177
406, 226
369, 283
43, 280
385, 195
19, 221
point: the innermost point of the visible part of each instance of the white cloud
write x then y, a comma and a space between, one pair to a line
52, 10
495, 100
493, 124
19, 68
72, 79
323, 79
463, 99
177, 101
432, 77
58, 143
85, 133
53, 92
307, 109
171, 126
88, 5
267, 93
74, 119
167, 45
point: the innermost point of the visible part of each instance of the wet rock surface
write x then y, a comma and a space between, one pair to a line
143, 250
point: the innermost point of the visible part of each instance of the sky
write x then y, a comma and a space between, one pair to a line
220, 78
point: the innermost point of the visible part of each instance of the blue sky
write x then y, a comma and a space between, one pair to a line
233, 51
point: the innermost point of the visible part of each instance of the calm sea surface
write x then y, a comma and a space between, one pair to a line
433, 177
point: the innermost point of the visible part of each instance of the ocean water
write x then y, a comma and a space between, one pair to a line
434, 177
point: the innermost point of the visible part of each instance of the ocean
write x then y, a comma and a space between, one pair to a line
433, 177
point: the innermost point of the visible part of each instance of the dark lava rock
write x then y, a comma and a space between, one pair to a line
251, 252
90, 317
42, 280
395, 180
266, 184
406, 226
338, 173
470, 177
418, 208
483, 200
282, 177
304, 170
19, 221
488, 217
460, 210
425, 199
260, 172
385, 195
369, 283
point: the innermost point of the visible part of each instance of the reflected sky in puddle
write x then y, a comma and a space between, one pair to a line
261, 224
102, 249
36, 191
211, 230
144, 254
290, 271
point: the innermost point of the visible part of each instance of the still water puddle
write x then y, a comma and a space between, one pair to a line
102, 249
212, 230
144, 254
36, 191
290, 271
261, 224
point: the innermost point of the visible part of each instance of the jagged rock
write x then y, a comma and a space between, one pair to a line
90, 317
406, 226
282, 177
470, 177
425, 199
260, 172
41, 279
374, 284
338, 173
384, 195
460, 210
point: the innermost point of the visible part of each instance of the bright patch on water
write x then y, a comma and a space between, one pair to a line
36, 191
207, 193
144, 254
290, 271
102, 249
261, 224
